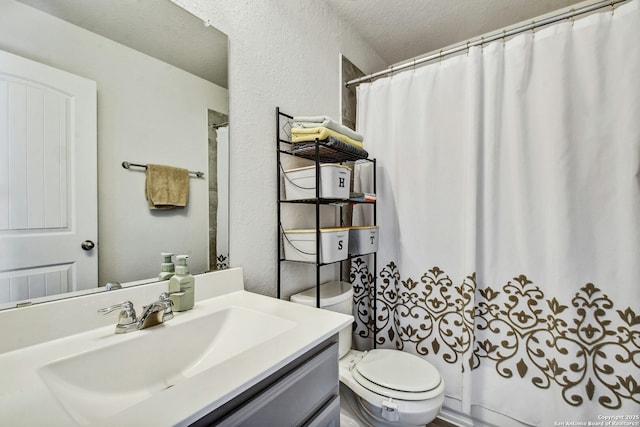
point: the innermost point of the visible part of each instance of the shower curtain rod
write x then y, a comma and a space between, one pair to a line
465, 45
219, 125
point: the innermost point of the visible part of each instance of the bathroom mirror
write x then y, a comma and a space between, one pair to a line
160, 78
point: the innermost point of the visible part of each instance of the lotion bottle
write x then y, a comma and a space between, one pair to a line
181, 285
167, 269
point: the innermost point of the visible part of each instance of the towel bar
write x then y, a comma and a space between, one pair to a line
128, 165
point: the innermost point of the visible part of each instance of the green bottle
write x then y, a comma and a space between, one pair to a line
181, 286
167, 269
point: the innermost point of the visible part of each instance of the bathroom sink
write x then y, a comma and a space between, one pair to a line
99, 383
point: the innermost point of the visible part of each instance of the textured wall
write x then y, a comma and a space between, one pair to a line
282, 53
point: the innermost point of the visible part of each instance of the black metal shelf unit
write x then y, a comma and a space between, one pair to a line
318, 152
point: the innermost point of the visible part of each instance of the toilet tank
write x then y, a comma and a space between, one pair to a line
334, 296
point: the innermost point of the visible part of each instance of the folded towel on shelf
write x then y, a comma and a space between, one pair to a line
311, 134
327, 122
166, 187
308, 150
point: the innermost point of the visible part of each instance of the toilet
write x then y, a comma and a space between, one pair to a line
380, 387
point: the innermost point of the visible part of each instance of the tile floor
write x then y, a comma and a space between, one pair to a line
439, 423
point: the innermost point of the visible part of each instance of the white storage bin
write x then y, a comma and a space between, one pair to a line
300, 183
300, 244
363, 240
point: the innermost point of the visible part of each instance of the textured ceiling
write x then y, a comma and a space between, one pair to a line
397, 29
402, 29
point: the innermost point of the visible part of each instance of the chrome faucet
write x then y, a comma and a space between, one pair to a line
152, 314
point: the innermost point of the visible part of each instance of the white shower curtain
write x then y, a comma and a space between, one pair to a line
222, 218
509, 206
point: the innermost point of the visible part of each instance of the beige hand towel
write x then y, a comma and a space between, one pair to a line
166, 187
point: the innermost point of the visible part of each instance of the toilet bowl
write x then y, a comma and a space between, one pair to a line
380, 387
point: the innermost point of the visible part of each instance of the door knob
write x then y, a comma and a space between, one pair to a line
87, 245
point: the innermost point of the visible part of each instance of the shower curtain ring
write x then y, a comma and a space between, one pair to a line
572, 16
504, 37
467, 47
533, 27
440, 56
613, 7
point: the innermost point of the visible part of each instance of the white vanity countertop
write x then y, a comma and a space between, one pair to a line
25, 400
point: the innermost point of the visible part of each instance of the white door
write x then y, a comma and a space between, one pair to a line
48, 180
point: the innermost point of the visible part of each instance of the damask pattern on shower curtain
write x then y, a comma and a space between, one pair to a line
586, 348
222, 262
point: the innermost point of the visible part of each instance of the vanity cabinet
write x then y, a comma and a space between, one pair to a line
317, 154
304, 392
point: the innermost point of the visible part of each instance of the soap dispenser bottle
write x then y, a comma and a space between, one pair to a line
167, 269
181, 285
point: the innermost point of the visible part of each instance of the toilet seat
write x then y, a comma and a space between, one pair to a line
396, 374
378, 405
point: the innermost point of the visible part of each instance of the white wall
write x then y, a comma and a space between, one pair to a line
282, 53
148, 112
